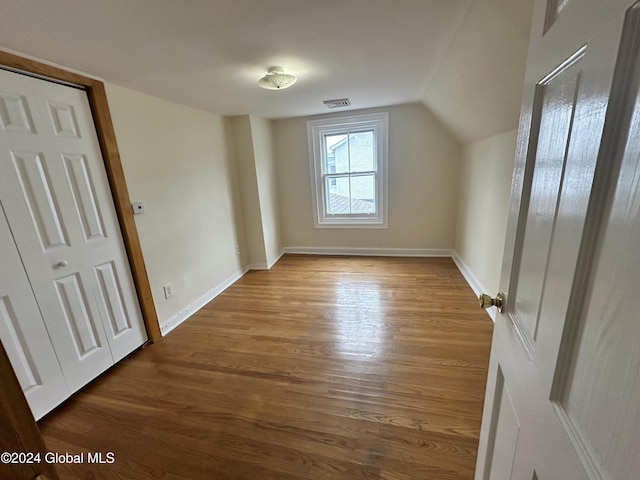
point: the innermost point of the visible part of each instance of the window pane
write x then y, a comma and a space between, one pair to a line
362, 153
336, 153
337, 189
363, 194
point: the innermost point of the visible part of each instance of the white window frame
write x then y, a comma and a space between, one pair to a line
316, 131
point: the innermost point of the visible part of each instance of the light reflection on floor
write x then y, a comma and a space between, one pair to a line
360, 330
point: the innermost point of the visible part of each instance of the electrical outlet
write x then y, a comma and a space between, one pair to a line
168, 290
237, 250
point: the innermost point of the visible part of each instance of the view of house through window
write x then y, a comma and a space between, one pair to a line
349, 170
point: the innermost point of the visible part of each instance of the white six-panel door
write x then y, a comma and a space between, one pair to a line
56, 197
24, 334
563, 393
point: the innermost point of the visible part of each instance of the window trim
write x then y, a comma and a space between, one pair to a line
316, 130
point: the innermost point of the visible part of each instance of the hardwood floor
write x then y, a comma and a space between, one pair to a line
321, 368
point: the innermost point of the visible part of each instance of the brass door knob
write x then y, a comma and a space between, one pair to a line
487, 301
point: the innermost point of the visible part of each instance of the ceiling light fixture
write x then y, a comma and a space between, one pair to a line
276, 79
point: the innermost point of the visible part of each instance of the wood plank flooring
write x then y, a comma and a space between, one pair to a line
321, 368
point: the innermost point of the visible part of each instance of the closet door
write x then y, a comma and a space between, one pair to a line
58, 204
23, 333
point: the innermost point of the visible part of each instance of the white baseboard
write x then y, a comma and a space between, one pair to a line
473, 282
374, 252
265, 266
186, 312
257, 266
471, 279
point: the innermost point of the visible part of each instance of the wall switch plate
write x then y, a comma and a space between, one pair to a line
138, 208
168, 290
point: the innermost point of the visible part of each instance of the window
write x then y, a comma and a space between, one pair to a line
349, 171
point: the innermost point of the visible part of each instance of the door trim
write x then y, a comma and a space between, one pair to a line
18, 429
106, 136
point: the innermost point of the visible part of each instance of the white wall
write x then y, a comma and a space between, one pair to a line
255, 253
178, 161
477, 86
424, 162
254, 155
264, 155
483, 205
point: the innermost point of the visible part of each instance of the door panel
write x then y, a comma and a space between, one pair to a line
14, 114
111, 298
600, 395
78, 315
117, 310
566, 349
53, 249
84, 196
24, 334
34, 179
554, 106
554, 9
504, 435
63, 118
24, 365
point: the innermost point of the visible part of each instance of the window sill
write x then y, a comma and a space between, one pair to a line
351, 224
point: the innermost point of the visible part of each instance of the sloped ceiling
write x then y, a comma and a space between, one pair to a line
477, 88
468, 54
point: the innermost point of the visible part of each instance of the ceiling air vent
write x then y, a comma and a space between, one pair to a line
337, 103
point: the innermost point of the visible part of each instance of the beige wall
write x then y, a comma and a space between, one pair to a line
264, 154
248, 181
483, 205
476, 89
423, 185
254, 155
177, 160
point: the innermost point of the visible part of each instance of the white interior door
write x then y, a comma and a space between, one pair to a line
23, 332
57, 201
563, 393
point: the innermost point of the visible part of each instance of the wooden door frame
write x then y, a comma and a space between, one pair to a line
18, 429
106, 136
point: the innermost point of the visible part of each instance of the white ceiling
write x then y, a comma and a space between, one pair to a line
464, 59
210, 53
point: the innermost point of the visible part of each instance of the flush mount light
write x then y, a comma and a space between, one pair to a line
276, 79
